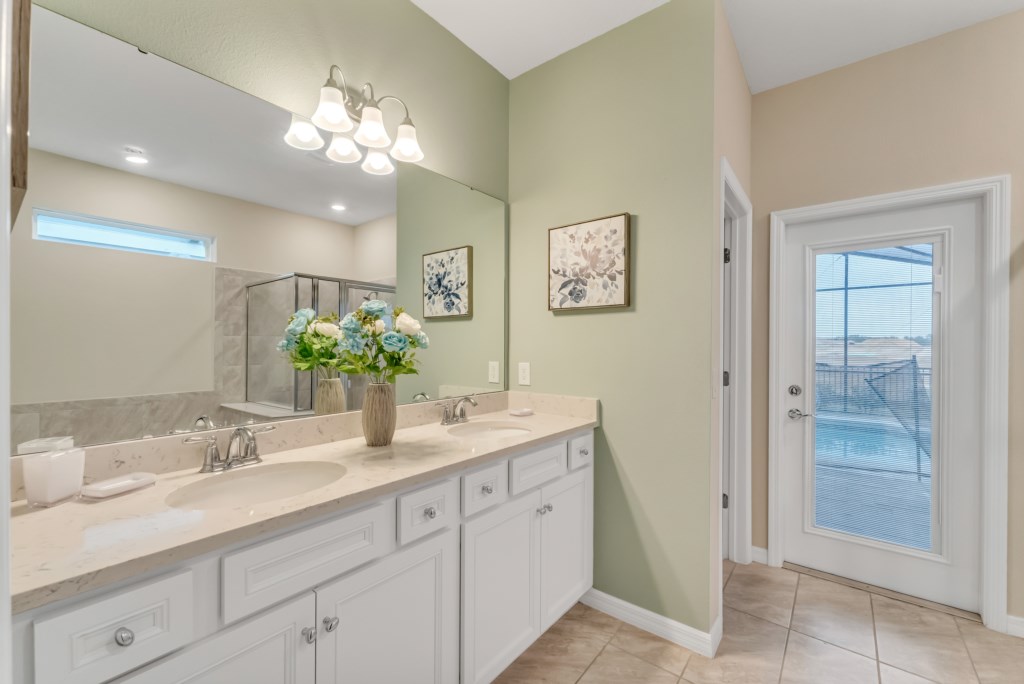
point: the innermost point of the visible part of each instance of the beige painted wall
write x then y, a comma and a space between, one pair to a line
436, 213
376, 247
624, 124
732, 140
73, 305
281, 52
947, 109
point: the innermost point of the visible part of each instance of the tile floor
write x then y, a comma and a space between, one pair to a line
780, 627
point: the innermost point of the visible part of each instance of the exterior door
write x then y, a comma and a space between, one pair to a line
880, 350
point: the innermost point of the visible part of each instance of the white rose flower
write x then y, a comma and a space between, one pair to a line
407, 325
328, 329
379, 327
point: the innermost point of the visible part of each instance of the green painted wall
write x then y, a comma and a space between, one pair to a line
436, 213
625, 123
281, 52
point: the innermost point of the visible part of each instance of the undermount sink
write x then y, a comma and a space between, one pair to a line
255, 484
490, 429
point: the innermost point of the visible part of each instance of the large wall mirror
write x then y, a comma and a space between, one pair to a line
169, 233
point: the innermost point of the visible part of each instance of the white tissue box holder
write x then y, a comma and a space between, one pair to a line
53, 477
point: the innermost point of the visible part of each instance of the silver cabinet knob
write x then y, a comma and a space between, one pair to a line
124, 637
542, 510
584, 452
549, 507
309, 634
330, 624
487, 489
430, 512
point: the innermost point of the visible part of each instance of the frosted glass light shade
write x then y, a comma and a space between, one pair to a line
330, 114
407, 148
343, 150
302, 134
371, 131
377, 163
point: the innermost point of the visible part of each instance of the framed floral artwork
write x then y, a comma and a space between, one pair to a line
448, 283
588, 264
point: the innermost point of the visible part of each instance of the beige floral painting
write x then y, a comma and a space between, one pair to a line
588, 264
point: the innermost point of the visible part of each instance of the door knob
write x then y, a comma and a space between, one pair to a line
797, 414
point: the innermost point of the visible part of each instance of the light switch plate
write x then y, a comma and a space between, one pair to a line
524, 372
493, 374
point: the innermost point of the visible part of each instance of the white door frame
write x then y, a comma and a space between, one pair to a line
736, 205
6, 19
994, 194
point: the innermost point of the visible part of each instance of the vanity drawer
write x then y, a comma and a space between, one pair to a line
581, 451
262, 575
78, 646
484, 488
427, 510
536, 468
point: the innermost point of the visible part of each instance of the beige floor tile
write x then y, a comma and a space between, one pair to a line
556, 658
751, 652
834, 613
762, 591
921, 641
890, 675
586, 621
615, 666
810, 661
997, 657
653, 649
727, 567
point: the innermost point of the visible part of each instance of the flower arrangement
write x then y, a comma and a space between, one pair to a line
373, 340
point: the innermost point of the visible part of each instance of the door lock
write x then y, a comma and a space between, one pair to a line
795, 390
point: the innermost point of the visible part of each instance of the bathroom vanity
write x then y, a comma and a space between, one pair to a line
438, 559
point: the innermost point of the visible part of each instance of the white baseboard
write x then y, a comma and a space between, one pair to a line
759, 555
704, 643
1015, 625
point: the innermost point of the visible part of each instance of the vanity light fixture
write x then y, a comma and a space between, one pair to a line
338, 110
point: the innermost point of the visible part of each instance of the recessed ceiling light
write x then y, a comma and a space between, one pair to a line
135, 159
338, 207
135, 155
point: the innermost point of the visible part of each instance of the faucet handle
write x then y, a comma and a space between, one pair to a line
262, 428
210, 439
447, 412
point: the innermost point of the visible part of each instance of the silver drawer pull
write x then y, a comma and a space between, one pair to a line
584, 452
309, 634
549, 507
542, 510
330, 624
487, 489
124, 637
430, 512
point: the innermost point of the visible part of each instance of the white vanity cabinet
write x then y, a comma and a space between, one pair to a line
268, 649
524, 565
394, 621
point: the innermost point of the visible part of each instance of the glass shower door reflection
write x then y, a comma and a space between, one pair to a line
873, 445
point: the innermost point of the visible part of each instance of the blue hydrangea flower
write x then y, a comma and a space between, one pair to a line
376, 307
287, 344
297, 326
394, 341
308, 314
351, 326
422, 341
352, 343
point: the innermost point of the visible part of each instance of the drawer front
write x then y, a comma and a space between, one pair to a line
581, 451
80, 646
427, 510
262, 575
534, 469
484, 488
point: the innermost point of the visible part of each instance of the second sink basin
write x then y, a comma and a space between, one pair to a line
490, 429
255, 484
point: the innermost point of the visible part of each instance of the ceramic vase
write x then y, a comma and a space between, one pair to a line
379, 414
330, 397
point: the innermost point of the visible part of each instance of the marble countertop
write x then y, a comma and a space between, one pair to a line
63, 551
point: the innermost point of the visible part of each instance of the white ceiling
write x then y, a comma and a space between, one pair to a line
781, 41
514, 36
91, 95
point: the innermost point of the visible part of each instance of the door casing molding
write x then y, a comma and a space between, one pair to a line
994, 194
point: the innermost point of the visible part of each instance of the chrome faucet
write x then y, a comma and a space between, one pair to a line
453, 412
212, 462
242, 447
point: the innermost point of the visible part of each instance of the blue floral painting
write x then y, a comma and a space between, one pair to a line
588, 264
448, 283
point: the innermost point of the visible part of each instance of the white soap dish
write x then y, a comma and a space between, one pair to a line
104, 489
521, 412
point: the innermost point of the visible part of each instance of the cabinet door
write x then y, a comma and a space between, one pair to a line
501, 573
269, 649
567, 548
393, 621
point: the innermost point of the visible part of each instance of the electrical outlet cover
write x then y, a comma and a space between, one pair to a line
493, 372
524, 372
